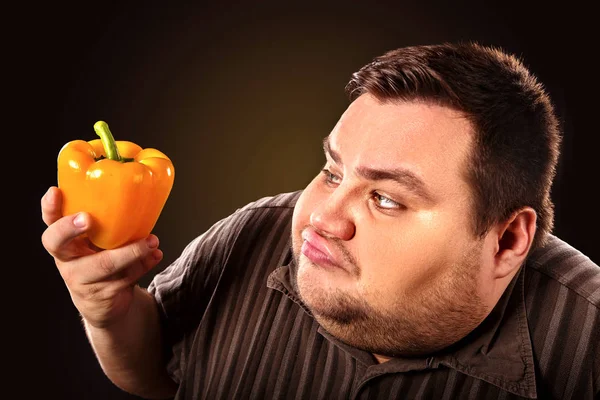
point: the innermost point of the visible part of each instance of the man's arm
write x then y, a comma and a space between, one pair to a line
130, 352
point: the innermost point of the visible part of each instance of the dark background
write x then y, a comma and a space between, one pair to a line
239, 96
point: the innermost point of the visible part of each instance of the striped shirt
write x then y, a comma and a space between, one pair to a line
235, 327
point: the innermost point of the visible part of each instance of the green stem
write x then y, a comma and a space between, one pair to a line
108, 141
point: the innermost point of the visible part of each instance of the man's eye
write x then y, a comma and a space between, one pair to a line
330, 178
385, 203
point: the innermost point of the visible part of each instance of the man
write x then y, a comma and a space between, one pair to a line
419, 263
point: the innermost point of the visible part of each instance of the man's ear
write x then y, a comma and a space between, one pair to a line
514, 238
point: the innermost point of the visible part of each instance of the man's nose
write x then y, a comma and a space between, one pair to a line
334, 217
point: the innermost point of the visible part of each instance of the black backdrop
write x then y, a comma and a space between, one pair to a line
239, 96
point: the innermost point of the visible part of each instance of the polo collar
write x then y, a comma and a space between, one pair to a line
498, 351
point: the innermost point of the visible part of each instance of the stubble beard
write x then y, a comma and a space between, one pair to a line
440, 314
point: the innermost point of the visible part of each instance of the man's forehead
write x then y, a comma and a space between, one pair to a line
385, 126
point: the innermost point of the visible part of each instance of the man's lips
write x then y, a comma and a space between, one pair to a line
315, 248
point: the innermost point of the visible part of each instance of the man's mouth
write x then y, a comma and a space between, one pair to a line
315, 248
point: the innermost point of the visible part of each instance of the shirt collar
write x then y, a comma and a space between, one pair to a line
498, 351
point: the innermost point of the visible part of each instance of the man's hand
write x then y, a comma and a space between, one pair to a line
100, 282
121, 319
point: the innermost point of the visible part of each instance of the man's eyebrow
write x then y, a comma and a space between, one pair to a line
332, 153
404, 177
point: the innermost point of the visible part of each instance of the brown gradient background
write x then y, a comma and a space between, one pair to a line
239, 96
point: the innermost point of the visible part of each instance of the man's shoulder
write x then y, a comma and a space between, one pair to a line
259, 224
562, 301
571, 269
281, 200
246, 226
232, 241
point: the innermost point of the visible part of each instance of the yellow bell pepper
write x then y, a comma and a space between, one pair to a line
122, 186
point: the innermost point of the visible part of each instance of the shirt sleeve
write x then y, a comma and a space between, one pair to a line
183, 290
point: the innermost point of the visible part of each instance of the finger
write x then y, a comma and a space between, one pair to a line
133, 274
103, 265
58, 239
51, 205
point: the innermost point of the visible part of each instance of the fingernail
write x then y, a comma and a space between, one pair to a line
152, 241
79, 221
48, 198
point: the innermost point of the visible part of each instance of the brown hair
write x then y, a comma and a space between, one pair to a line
517, 136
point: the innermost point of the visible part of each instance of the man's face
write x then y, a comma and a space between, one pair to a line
386, 257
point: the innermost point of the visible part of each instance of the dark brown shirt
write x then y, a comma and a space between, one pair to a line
236, 328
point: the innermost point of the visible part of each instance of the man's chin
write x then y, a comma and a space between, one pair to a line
314, 291
324, 277
329, 302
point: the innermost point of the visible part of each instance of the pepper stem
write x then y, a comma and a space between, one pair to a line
108, 141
